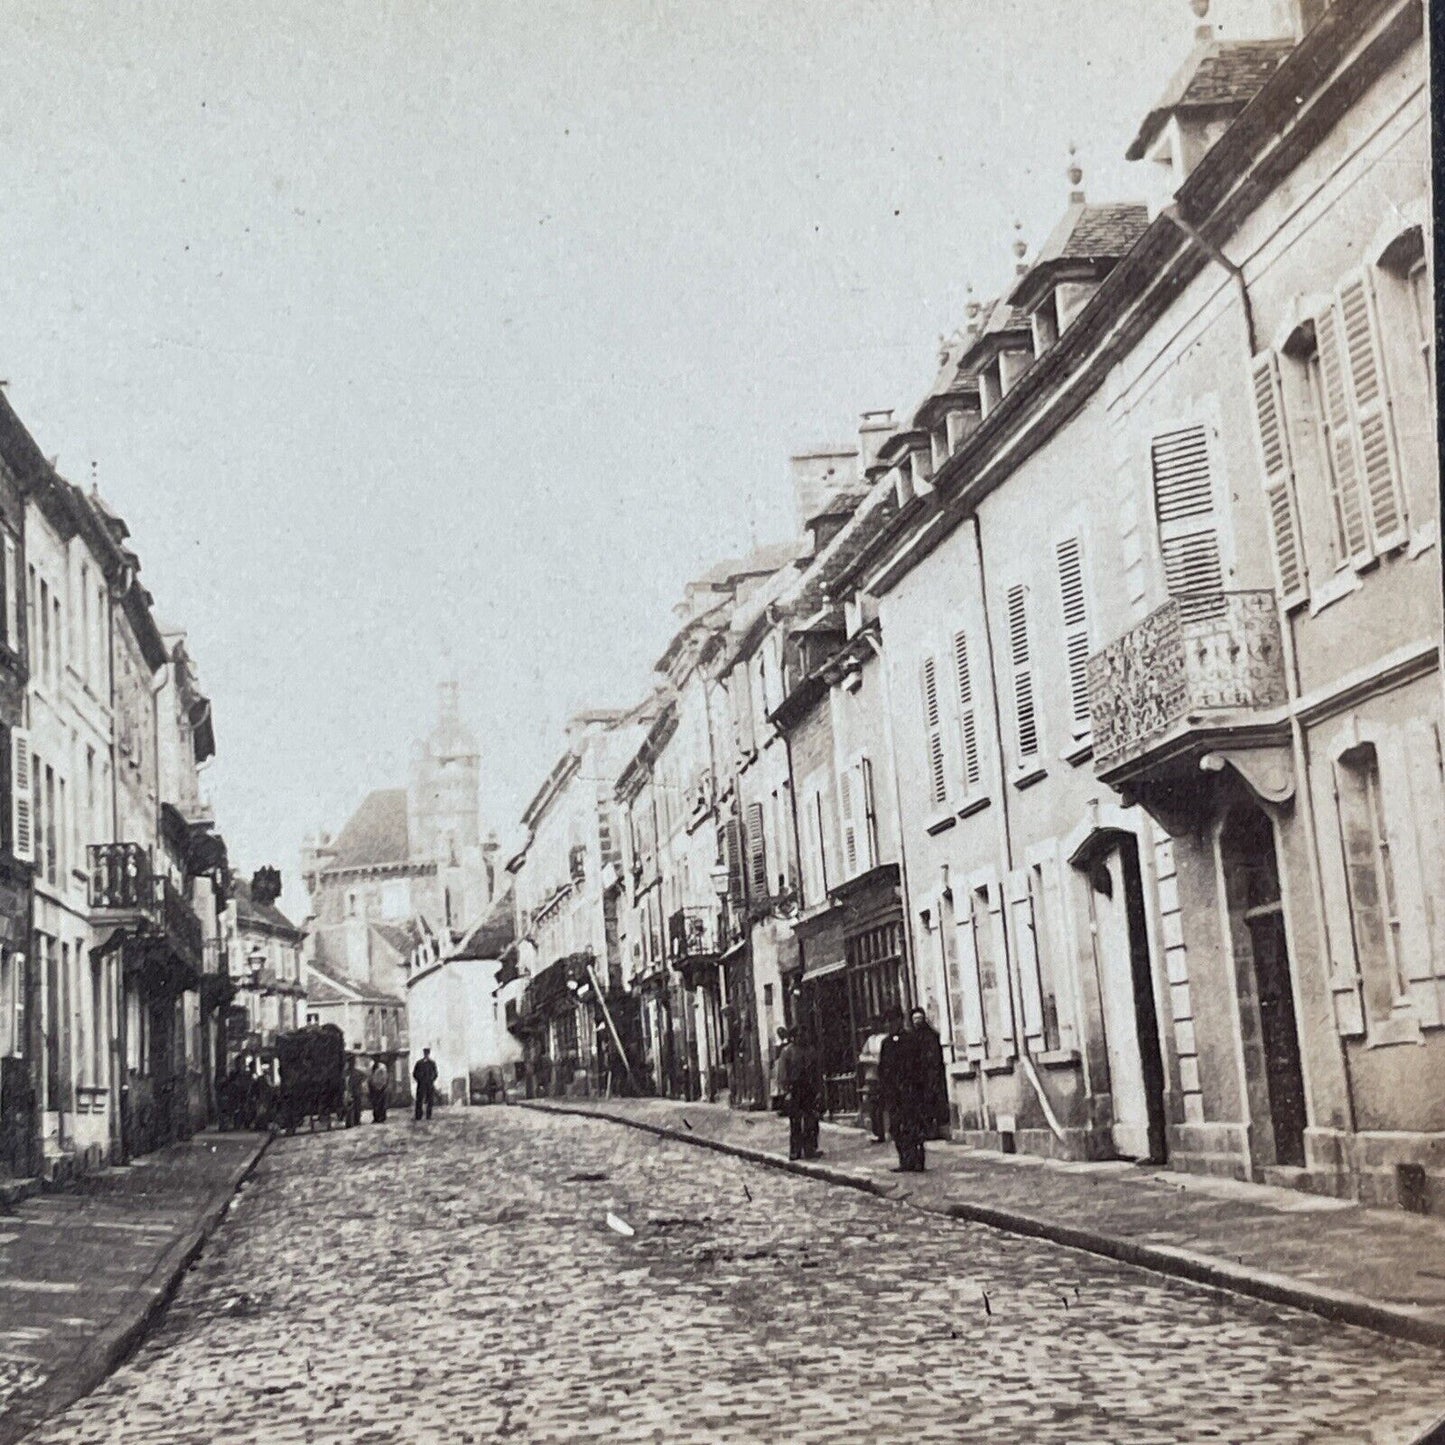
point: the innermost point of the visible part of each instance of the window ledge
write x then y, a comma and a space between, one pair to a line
974, 805
1056, 1058
962, 1069
1027, 778
1398, 1029
1422, 539
1340, 586
1081, 751
939, 823
998, 1065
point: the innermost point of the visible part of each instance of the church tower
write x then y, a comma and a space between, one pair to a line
444, 812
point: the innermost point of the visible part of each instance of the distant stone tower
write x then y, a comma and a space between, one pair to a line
444, 811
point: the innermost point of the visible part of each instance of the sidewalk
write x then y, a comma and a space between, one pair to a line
1380, 1269
83, 1273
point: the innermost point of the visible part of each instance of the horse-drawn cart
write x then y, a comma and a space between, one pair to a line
313, 1076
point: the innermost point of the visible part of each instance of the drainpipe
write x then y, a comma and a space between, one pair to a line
1174, 214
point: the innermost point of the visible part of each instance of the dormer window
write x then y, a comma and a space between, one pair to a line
990, 388
1011, 366
1045, 324
959, 424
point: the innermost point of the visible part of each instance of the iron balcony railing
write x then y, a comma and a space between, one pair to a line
123, 881
1195, 661
692, 933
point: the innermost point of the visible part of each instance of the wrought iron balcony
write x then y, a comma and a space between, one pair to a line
124, 888
692, 933
1193, 671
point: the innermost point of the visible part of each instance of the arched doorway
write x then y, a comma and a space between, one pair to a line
1274, 1078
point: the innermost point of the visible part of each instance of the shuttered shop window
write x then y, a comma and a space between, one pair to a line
1279, 485
967, 715
1184, 511
1068, 555
1026, 723
933, 733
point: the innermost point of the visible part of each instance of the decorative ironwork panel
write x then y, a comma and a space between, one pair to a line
1219, 652
120, 877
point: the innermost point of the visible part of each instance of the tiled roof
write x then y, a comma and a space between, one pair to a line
402, 937
341, 989
1218, 75
1089, 232
494, 934
1097, 234
376, 833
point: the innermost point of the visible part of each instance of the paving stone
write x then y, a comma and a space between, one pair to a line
447, 1282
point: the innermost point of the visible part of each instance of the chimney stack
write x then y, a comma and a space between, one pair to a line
874, 429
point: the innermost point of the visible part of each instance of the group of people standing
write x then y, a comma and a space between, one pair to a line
904, 1085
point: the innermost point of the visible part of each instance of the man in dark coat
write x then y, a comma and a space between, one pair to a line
930, 1048
907, 1097
424, 1076
798, 1081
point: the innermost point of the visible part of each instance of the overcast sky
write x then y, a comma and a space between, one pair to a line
399, 329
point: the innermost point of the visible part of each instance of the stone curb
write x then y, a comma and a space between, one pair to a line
133, 1321
1337, 1306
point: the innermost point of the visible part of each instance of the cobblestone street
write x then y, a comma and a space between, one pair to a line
460, 1281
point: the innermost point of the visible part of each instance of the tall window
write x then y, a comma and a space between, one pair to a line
757, 854
992, 974
1184, 515
967, 715
814, 866
1073, 602
1364, 476
1021, 671
46, 669
12, 593
857, 818
1370, 877
933, 734
1422, 305
1277, 464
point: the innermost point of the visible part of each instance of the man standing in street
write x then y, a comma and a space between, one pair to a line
935, 1076
906, 1094
424, 1076
798, 1080
378, 1081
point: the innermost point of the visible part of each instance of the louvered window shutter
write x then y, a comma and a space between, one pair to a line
867, 817
933, 729
1069, 557
757, 853
847, 801
966, 959
12, 594
967, 716
22, 806
732, 851
1379, 465
1275, 457
742, 708
1184, 510
1021, 667
1025, 950
1352, 534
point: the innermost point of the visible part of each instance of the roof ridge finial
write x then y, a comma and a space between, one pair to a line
973, 311
1020, 248
1203, 30
1075, 173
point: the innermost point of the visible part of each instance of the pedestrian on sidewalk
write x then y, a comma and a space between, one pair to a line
930, 1058
355, 1091
424, 1076
906, 1095
377, 1084
798, 1080
869, 1089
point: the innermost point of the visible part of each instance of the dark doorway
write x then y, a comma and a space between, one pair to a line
825, 1009
1251, 872
1146, 1016
745, 1069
